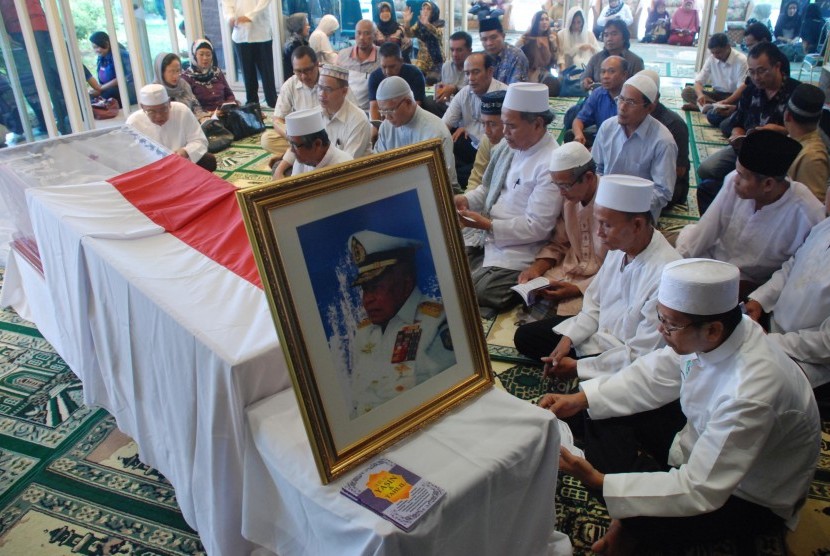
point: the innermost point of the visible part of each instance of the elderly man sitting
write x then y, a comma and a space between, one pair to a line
514, 210
172, 125
407, 123
310, 143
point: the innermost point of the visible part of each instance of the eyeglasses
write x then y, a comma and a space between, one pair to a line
568, 186
305, 71
297, 146
669, 329
760, 72
157, 111
389, 111
628, 101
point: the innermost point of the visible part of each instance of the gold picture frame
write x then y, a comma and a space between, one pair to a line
313, 235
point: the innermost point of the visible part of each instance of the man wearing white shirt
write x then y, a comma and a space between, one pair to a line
742, 464
406, 123
360, 60
463, 116
252, 41
618, 322
634, 143
725, 71
798, 295
759, 218
310, 143
172, 125
513, 212
347, 126
452, 71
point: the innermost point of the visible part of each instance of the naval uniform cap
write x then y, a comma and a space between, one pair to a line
699, 286
304, 122
624, 193
373, 253
153, 95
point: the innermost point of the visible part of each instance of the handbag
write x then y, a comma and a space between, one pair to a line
219, 138
243, 121
104, 108
571, 83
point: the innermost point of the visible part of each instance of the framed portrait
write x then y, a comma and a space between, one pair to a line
364, 269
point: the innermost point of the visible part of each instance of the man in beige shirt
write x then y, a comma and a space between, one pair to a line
812, 165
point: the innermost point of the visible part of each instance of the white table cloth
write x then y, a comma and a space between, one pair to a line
497, 458
173, 344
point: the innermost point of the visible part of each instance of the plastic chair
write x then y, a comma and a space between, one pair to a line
814, 62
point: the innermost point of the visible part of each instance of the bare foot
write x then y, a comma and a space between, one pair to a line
616, 541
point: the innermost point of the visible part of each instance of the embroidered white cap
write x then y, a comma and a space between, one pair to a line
645, 84
624, 193
153, 95
527, 97
568, 156
699, 286
392, 87
304, 122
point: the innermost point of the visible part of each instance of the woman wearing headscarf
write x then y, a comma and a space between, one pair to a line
429, 34
206, 80
616, 9
576, 43
319, 39
788, 26
541, 46
389, 30
657, 23
298, 28
105, 66
168, 73
812, 28
685, 24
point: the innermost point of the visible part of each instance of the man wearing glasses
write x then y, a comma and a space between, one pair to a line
634, 143
742, 464
347, 126
618, 320
761, 106
406, 123
172, 125
310, 144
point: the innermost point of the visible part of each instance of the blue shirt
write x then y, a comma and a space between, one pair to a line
511, 65
649, 153
409, 73
598, 107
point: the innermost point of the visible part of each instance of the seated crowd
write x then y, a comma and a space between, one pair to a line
687, 405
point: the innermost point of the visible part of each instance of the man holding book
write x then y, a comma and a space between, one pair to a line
568, 263
618, 321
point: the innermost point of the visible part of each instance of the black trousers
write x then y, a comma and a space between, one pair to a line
537, 339
257, 57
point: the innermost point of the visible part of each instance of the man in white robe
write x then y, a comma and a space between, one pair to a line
759, 218
618, 320
798, 295
511, 215
172, 125
310, 143
743, 463
406, 123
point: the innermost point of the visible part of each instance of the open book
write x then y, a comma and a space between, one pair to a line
529, 290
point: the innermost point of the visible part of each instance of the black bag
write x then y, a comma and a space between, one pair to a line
218, 137
571, 79
243, 121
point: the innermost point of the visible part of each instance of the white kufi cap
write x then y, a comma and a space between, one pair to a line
527, 97
304, 122
624, 193
153, 95
569, 156
654, 76
699, 286
393, 87
644, 84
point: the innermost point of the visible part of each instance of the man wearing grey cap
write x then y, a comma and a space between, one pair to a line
310, 143
617, 322
633, 143
510, 216
406, 123
405, 339
743, 462
760, 217
172, 125
812, 165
